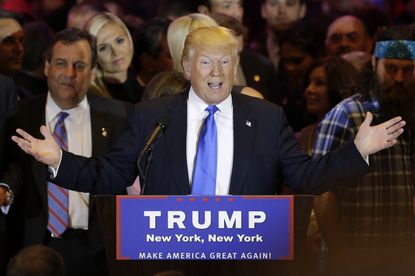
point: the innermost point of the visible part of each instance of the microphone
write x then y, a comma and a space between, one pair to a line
158, 130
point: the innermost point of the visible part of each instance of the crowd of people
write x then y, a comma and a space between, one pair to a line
313, 98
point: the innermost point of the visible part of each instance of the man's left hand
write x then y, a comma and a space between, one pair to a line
371, 139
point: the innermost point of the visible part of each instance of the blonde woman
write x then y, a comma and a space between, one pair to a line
114, 52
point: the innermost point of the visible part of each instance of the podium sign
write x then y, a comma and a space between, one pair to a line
205, 228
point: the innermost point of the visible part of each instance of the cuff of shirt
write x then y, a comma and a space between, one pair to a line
5, 185
52, 171
5, 209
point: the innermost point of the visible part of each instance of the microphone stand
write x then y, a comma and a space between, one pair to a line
147, 166
142, 175
148, 150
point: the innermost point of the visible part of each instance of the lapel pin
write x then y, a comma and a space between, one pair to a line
248, 123
257, 78
104, 132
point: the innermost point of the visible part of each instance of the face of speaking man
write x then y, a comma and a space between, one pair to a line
211, 71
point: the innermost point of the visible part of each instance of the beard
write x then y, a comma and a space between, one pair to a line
397, 100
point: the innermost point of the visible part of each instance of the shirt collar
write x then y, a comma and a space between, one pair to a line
76, 114
196, 106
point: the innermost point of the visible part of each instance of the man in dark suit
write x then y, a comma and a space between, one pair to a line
92, 124
255, 147
8, 99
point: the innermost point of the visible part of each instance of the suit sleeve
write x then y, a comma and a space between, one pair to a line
306, 175
109, 174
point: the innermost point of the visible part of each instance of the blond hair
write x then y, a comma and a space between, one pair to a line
218, 37
178, 31
94, 26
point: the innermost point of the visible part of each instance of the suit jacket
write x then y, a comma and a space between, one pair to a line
8, 98
259, 73
265, 153
29, 178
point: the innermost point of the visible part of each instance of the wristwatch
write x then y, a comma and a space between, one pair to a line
8, 197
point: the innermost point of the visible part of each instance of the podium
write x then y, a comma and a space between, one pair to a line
106, 206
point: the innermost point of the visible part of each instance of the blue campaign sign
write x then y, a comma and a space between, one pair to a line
205, 228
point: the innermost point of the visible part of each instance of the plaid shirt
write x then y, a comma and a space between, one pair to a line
379, 205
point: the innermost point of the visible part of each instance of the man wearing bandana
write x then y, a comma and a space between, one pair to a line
369, 225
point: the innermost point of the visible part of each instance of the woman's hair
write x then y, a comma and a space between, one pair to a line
178, 31
164, 84
94, 26
340, 76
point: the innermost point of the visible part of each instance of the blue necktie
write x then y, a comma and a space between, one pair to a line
204, 175
58, 196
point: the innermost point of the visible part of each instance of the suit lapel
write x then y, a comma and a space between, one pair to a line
34, 116
101, 133
101, 128
244, 134
175, 143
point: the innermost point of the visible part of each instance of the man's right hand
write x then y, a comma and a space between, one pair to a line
46, 151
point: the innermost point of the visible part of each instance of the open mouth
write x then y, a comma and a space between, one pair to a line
215, 85
118, 61
67, 84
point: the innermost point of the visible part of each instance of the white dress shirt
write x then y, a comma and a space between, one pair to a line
78, 127
196, 114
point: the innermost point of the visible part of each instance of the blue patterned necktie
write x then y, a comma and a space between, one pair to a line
204, 174
58, 196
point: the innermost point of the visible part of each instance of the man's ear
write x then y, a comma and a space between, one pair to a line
237, 64
303, 10
203, 9
263, 11
46, 68
93, 73
369, 44
187, 68
374, 62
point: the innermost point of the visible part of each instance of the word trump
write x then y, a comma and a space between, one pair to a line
177, 219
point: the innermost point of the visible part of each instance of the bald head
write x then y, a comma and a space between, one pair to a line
347, 34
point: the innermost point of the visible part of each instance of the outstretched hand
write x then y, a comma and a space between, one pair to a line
371, 139
46, 151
